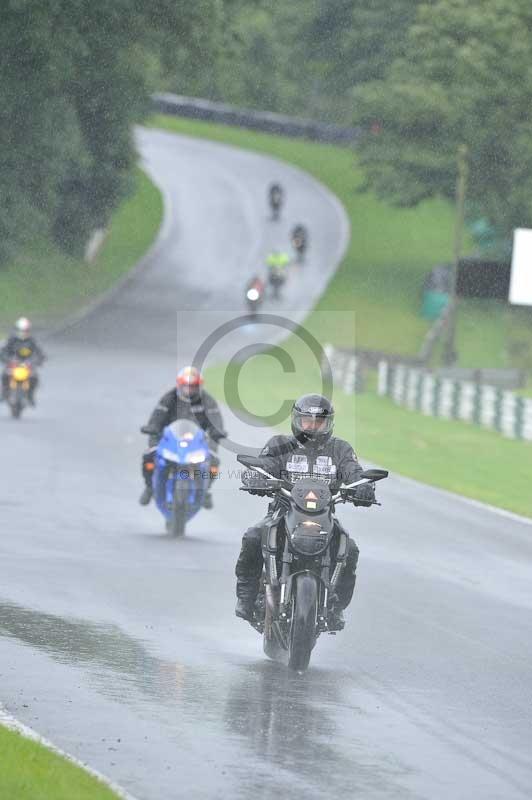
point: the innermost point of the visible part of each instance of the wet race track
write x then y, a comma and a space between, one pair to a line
120, 645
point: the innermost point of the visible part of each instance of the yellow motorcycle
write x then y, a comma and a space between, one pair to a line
19, 375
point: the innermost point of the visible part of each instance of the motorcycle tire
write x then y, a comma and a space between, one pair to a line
16, 409
178, 520
303, 626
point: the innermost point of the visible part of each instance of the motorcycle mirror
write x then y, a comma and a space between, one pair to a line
147, 430
375, 474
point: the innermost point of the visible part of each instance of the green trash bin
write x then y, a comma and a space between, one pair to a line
434, 303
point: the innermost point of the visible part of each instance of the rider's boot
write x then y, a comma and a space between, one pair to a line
246, 592
336, 619
146, 495
244, 609
207, 500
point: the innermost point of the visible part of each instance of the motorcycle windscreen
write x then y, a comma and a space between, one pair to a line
184, 429
189, 442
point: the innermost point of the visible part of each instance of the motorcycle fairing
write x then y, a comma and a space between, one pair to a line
182, 454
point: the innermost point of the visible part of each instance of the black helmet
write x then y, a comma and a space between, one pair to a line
312, 419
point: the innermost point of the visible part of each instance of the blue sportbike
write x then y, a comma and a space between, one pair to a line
182, 474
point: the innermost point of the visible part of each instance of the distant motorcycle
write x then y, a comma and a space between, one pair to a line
277, 279
183, 469
254, 295
300, 242
275, 197
294, 607
19, 376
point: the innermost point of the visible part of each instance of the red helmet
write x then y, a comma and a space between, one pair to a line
188, 382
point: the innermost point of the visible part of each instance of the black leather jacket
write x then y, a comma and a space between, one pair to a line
203, 410
334, 462
18, 348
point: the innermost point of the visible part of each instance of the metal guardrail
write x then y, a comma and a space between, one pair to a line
469, 401
269, 122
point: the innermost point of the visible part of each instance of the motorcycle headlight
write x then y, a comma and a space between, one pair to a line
21, 373
252, 295
169, 455
195, 457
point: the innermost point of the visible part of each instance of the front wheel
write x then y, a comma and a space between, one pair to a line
303, 625
178, 518
16, 407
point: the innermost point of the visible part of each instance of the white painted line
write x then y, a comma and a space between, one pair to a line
8, 721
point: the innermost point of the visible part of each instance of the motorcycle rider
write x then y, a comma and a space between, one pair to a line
311, 451
21, 346
299, 238
275, 196
277, 262
187, 401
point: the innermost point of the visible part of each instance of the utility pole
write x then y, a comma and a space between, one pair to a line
449, 352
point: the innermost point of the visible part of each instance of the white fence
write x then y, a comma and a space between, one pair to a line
488, 406
345, 368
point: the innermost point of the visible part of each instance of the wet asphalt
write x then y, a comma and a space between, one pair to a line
120, 645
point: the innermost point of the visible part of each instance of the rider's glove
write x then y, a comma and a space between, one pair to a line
254, 483
363, 495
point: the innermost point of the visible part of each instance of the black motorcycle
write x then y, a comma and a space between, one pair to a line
275, 196
299, 584
299, 240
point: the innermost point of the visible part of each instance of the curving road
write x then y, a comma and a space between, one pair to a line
121, 646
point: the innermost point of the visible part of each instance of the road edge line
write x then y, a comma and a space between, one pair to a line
13, 724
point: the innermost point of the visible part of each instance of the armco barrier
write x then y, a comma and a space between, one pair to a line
481, 404
269, 122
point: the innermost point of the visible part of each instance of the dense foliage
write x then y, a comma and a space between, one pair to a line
74, 78
421, 76
465, 78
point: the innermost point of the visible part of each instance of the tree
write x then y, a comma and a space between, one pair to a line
464, 79
74, 80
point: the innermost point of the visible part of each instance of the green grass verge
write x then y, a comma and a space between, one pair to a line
451, 455
29, 771
45, 284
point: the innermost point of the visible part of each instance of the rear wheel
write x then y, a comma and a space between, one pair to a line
303, 625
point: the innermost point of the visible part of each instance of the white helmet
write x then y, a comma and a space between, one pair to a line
23, 327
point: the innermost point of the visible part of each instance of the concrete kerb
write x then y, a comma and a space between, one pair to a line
13, 724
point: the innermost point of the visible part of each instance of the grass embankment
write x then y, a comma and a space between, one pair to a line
45, 284
380, 278
29, 771
451, 455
